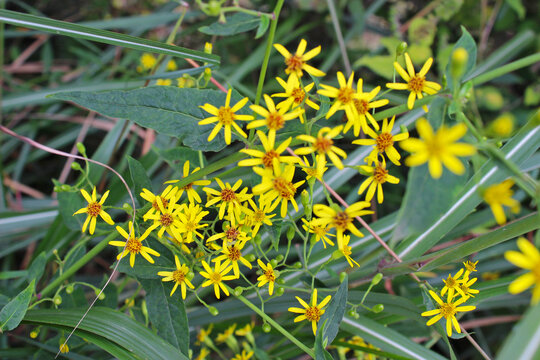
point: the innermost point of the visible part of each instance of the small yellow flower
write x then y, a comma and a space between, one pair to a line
233, 254
311, 312
248, 328
222, 337
316, 170
323, 144
193, 195
452, 284
267, 156
465, 287
469, 267
204, 335
203, 354
438, 148
93, 210
64, 349
378, 176
498, 195
178, 276
243, 356
364, 105
231, 233
384, 142
273, 118
225, 116
167, 219
190, 221
148, 61
261, 215
528, 259
166, 196
502, 126
295, 95
344, 96
296, 64
448, 310
171, 65
416, 82
321, 232
133, 245
163, 82
346, 250
229, 199
216, 277
268, 276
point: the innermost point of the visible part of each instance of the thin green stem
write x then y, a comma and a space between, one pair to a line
518, 64
246, 11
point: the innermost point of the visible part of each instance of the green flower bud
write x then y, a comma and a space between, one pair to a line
81, 149
377, 279
279, 258
279, 291
127, 208
213, 8
257, 239
304, 198
297, 265
190, 275
291, 231
238, 291
100, 296
459, 59
336, 255
342, 276
250, 257
351, 312
377, 308
57, 188
308, 210
266, 327
213, 311
57, 300
66, 187
401, 48
144, 309
280, 281
273, 262
76, 166
70, 288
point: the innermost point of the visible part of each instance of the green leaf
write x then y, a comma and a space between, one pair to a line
68, 204
334, 313
35, 271
467, 42
263, 26
234, 24
103, 36
138, 176
518, 7
320, 352
111, 325
167, 313
166, 109
13, 312
524, 340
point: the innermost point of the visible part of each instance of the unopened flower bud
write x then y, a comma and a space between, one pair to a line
238, 291
377, 279
250, 257
70, 288
81, 149
213, 311
273, 263
279, 258
280, 281
144, 309
190, 275
377, 308
34, 333
297, 265
101, 296
401, 48
208, 47
304, 198
257, 239
460, 56
342, 276
57, 299
291, 231
279, 291
76, 166
213, 8
66, 187
127, 208
266, 327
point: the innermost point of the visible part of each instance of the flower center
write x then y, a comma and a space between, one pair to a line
323, 145
313, 313
166, 220
134, 246
225, 115
190, 226
93, 209
319, 231
450, 282
275, 121
232, 233
234, 253
448, 310
188, 186
164, 201
380, 174
384, 141
215, 277
285, 188
269, 275
416, 83
347, 251
258, 216
345, 95
178, 276
435, 148
298, 94
294, 64
342, 220
268, 157
227, 195
362, 106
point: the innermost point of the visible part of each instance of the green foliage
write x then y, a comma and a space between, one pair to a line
13, 312
235, 24
334, 313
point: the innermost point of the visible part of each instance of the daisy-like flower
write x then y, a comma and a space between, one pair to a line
179, 276
267, 156
261, 215
229, 199
93, 210
295, 95
498, 195
180, 242
244, 355
296, 64
233, 254
341, 220
225, 116
171, 65
169, 194
465, 287
384, 142
311, 312
321, 233
268, 276
133, 245
147, 62
470, 267
192, 194
416, 82
167, 218
448, 311
203, 336
273, 118
364, 104
323, 144
231, 234
452, 284
216, 277
277, 184
344, 96
222, 337
378, 175
203, 354
190, 221
346, 250
316, 170
163, 82
528, 259
438, 148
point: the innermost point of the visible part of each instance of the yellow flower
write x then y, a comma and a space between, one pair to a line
266, 158
167, 219
321, 232
465, 287
171, 65
364, 104
277, 184
528, 259
133, 245
323, 144
416, 82
203, 335
163, 82
346, 250
247, 329
233, 254
222, 337
243, 356
225, 116
295, 95
361, 355
193, 195
93, 210
167, 195
378, 176
216, 277
316, 170
147, 62
178, 276
64, 349
344, 96
229, 198
469, 267
274, 119
311, 312
448, 310
438, 148
498, 195
203, 354
231, 233
260, 215
190, 221
268, 276
296, 63
452, 284
384, 142
503, 126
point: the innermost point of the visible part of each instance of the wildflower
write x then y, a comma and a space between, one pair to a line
384, 142
180, 242
247, 329
378, 176
320, 232
452, 284
316, 170
502, 126
167, 219
233, 254
179, 276
528, 259
296, 64
190, 221
323, 144
216, 277
274, 119
243, 356
465, 287
167, 195
295, 95
341, 220
225, 116
133, 245
364, 104
416, 82
228, 198
204, 335
64, 349
232, 233
448, 310
345, 249
93, 210
268, 276
278, 185
267, 156
171, 65
185, 81
344, 96
147, 62
203, 354
260, 215
164, 82
222, 337
498, 195
192, 194
312, 313
438, 148
469, 267
357, 340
